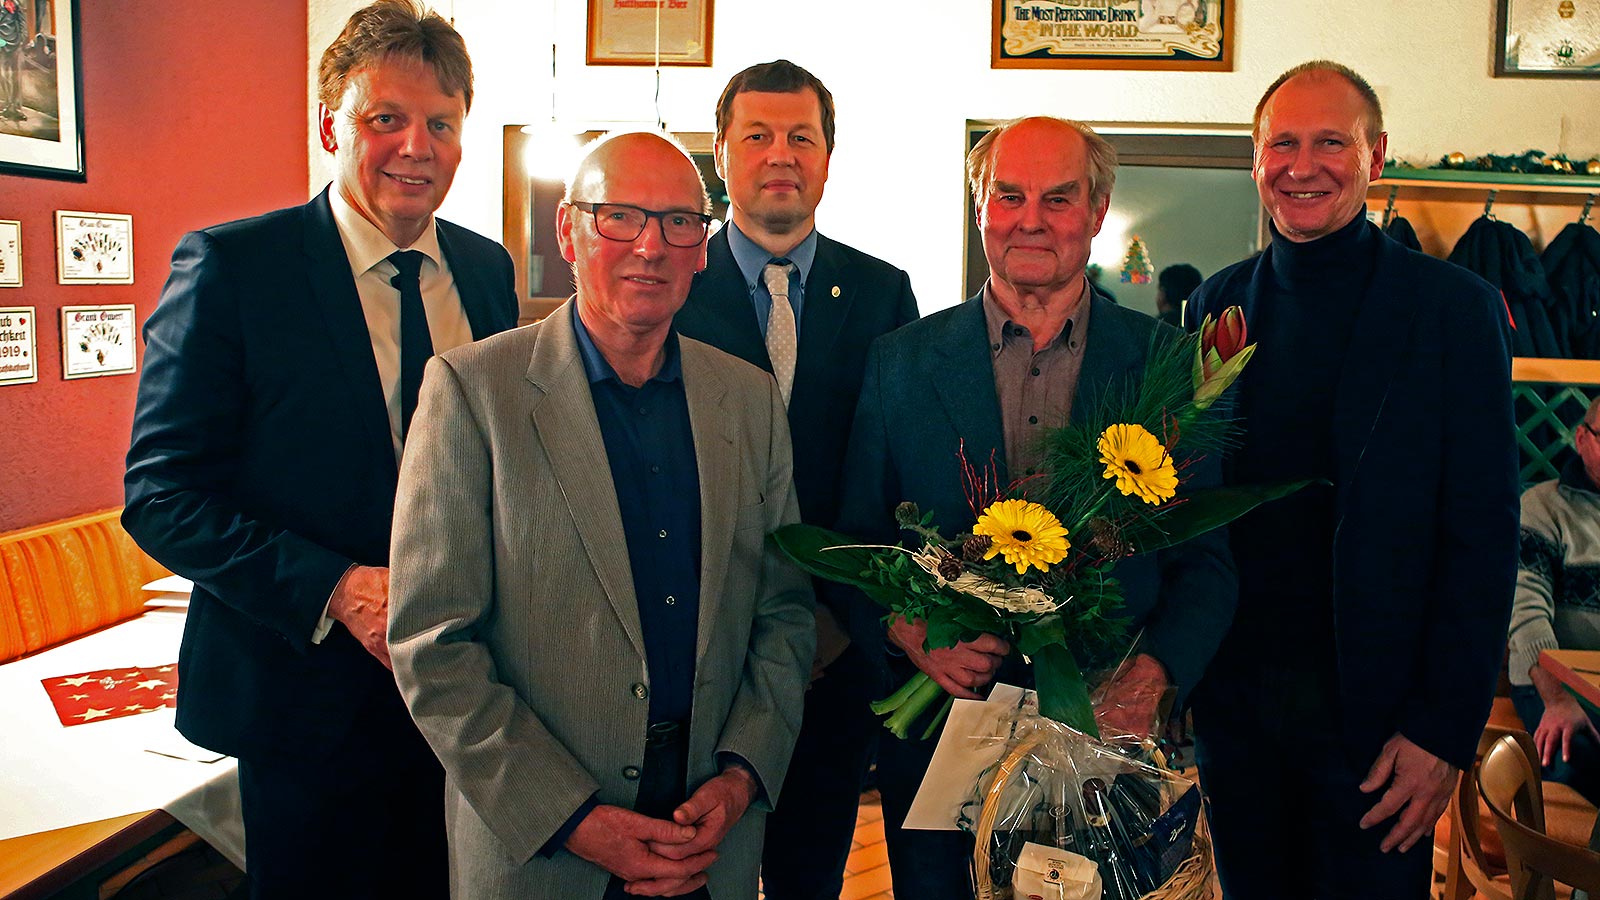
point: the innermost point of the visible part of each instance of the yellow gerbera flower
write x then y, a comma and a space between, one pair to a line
1026, 533
1139, 463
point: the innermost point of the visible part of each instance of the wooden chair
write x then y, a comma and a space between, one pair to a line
1510, 786
1473, 861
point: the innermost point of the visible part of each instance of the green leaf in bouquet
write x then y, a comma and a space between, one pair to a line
1063, 696
1201, 511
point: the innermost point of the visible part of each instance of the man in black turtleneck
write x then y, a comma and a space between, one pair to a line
1370, 626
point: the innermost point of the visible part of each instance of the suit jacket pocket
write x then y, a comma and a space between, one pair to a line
753, 515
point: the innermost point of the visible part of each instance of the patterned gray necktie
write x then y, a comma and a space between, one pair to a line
782, 341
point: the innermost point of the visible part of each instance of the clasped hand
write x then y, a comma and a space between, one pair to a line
660, 858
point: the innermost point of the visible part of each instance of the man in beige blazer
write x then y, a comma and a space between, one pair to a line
587, 622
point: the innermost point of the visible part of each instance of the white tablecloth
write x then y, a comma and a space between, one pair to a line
52, 776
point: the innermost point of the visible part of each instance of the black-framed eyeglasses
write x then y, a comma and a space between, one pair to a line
622, 222
1589, 428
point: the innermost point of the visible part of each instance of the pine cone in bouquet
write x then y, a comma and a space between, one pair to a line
1064, 816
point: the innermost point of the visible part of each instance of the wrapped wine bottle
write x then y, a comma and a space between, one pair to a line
1116, 872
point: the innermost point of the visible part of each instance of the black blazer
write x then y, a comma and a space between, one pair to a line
850, 299
261, 467
929, 397
1425, 544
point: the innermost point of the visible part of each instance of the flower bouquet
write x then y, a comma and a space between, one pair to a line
1036, 565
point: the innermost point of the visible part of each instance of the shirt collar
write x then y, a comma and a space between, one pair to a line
752, 258
366, 245
597, 369
1001, 328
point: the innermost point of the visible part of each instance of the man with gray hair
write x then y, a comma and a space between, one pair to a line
589, 625
982, 381
1357, 676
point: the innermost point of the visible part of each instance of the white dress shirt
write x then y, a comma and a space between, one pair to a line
368, 250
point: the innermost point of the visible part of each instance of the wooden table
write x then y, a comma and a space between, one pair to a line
42, 864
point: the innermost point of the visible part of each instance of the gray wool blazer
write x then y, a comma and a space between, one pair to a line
513, 624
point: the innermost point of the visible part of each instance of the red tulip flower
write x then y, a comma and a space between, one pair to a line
1221, 355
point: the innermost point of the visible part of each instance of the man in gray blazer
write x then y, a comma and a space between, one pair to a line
587, 623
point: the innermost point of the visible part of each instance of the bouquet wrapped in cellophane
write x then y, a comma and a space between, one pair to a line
1036, 565
1061, 816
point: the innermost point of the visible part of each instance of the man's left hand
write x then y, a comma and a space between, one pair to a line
1132, 698
1419, 789
712, 811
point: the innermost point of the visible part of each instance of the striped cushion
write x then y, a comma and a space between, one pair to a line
67, 578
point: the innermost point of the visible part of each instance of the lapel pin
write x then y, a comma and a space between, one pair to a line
836, 290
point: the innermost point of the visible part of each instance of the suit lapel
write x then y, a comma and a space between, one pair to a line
1383, 327
565, 424
333, 289
716, 436
969, 399
724, 305
476, 296
1112, 354
828, 299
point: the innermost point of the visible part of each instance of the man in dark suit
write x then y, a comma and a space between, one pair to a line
281, 370
1372, 610
983, 380
774, 139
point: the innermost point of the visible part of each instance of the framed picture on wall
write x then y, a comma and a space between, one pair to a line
1184, 35
19, 358
93, 248
10, 253
1547, 39
97, 340
41, 90
638, 32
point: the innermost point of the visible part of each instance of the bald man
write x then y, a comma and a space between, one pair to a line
587, 623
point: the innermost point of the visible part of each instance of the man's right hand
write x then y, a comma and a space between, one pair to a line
617, 840
961, 670
1563, 718
361, 604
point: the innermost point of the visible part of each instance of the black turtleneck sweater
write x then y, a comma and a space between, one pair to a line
1284, 549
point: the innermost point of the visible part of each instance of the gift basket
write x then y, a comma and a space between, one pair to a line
1063, 816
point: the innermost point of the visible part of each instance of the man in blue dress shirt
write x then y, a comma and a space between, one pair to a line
588, 623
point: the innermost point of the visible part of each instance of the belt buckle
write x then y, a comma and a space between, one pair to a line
662, 733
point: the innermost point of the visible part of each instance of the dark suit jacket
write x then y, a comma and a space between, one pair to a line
261, 467
930, 387
1425, 547
873, 298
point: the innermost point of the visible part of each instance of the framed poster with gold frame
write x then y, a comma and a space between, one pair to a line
643, 32
1186, 35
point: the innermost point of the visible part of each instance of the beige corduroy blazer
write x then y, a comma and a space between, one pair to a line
513, 624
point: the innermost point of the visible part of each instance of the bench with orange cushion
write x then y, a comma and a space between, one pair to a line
60, 581
65, 579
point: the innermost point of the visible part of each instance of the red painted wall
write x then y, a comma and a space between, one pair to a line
194, 113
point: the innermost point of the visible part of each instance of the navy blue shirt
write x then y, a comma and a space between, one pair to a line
650, 448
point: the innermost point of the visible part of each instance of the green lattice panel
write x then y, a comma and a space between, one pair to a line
1544, 435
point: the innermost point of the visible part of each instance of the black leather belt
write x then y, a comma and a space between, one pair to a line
665, 734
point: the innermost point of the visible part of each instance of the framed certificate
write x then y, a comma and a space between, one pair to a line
94, 248
19, 357
97, 340
638, 32
1547, 39
10, 253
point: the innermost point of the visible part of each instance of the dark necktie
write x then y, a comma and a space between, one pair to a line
415, 343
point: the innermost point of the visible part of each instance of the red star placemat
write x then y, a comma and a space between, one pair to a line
113, 693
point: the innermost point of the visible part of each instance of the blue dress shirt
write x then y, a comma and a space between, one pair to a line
752, 260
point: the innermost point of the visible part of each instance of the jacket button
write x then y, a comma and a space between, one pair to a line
640, 691
631, 773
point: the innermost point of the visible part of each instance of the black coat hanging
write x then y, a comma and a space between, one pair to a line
1504, 257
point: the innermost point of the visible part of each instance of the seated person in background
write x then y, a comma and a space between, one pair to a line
1558, 605
1173, 286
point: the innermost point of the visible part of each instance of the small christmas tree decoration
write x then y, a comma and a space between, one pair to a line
1136, 266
